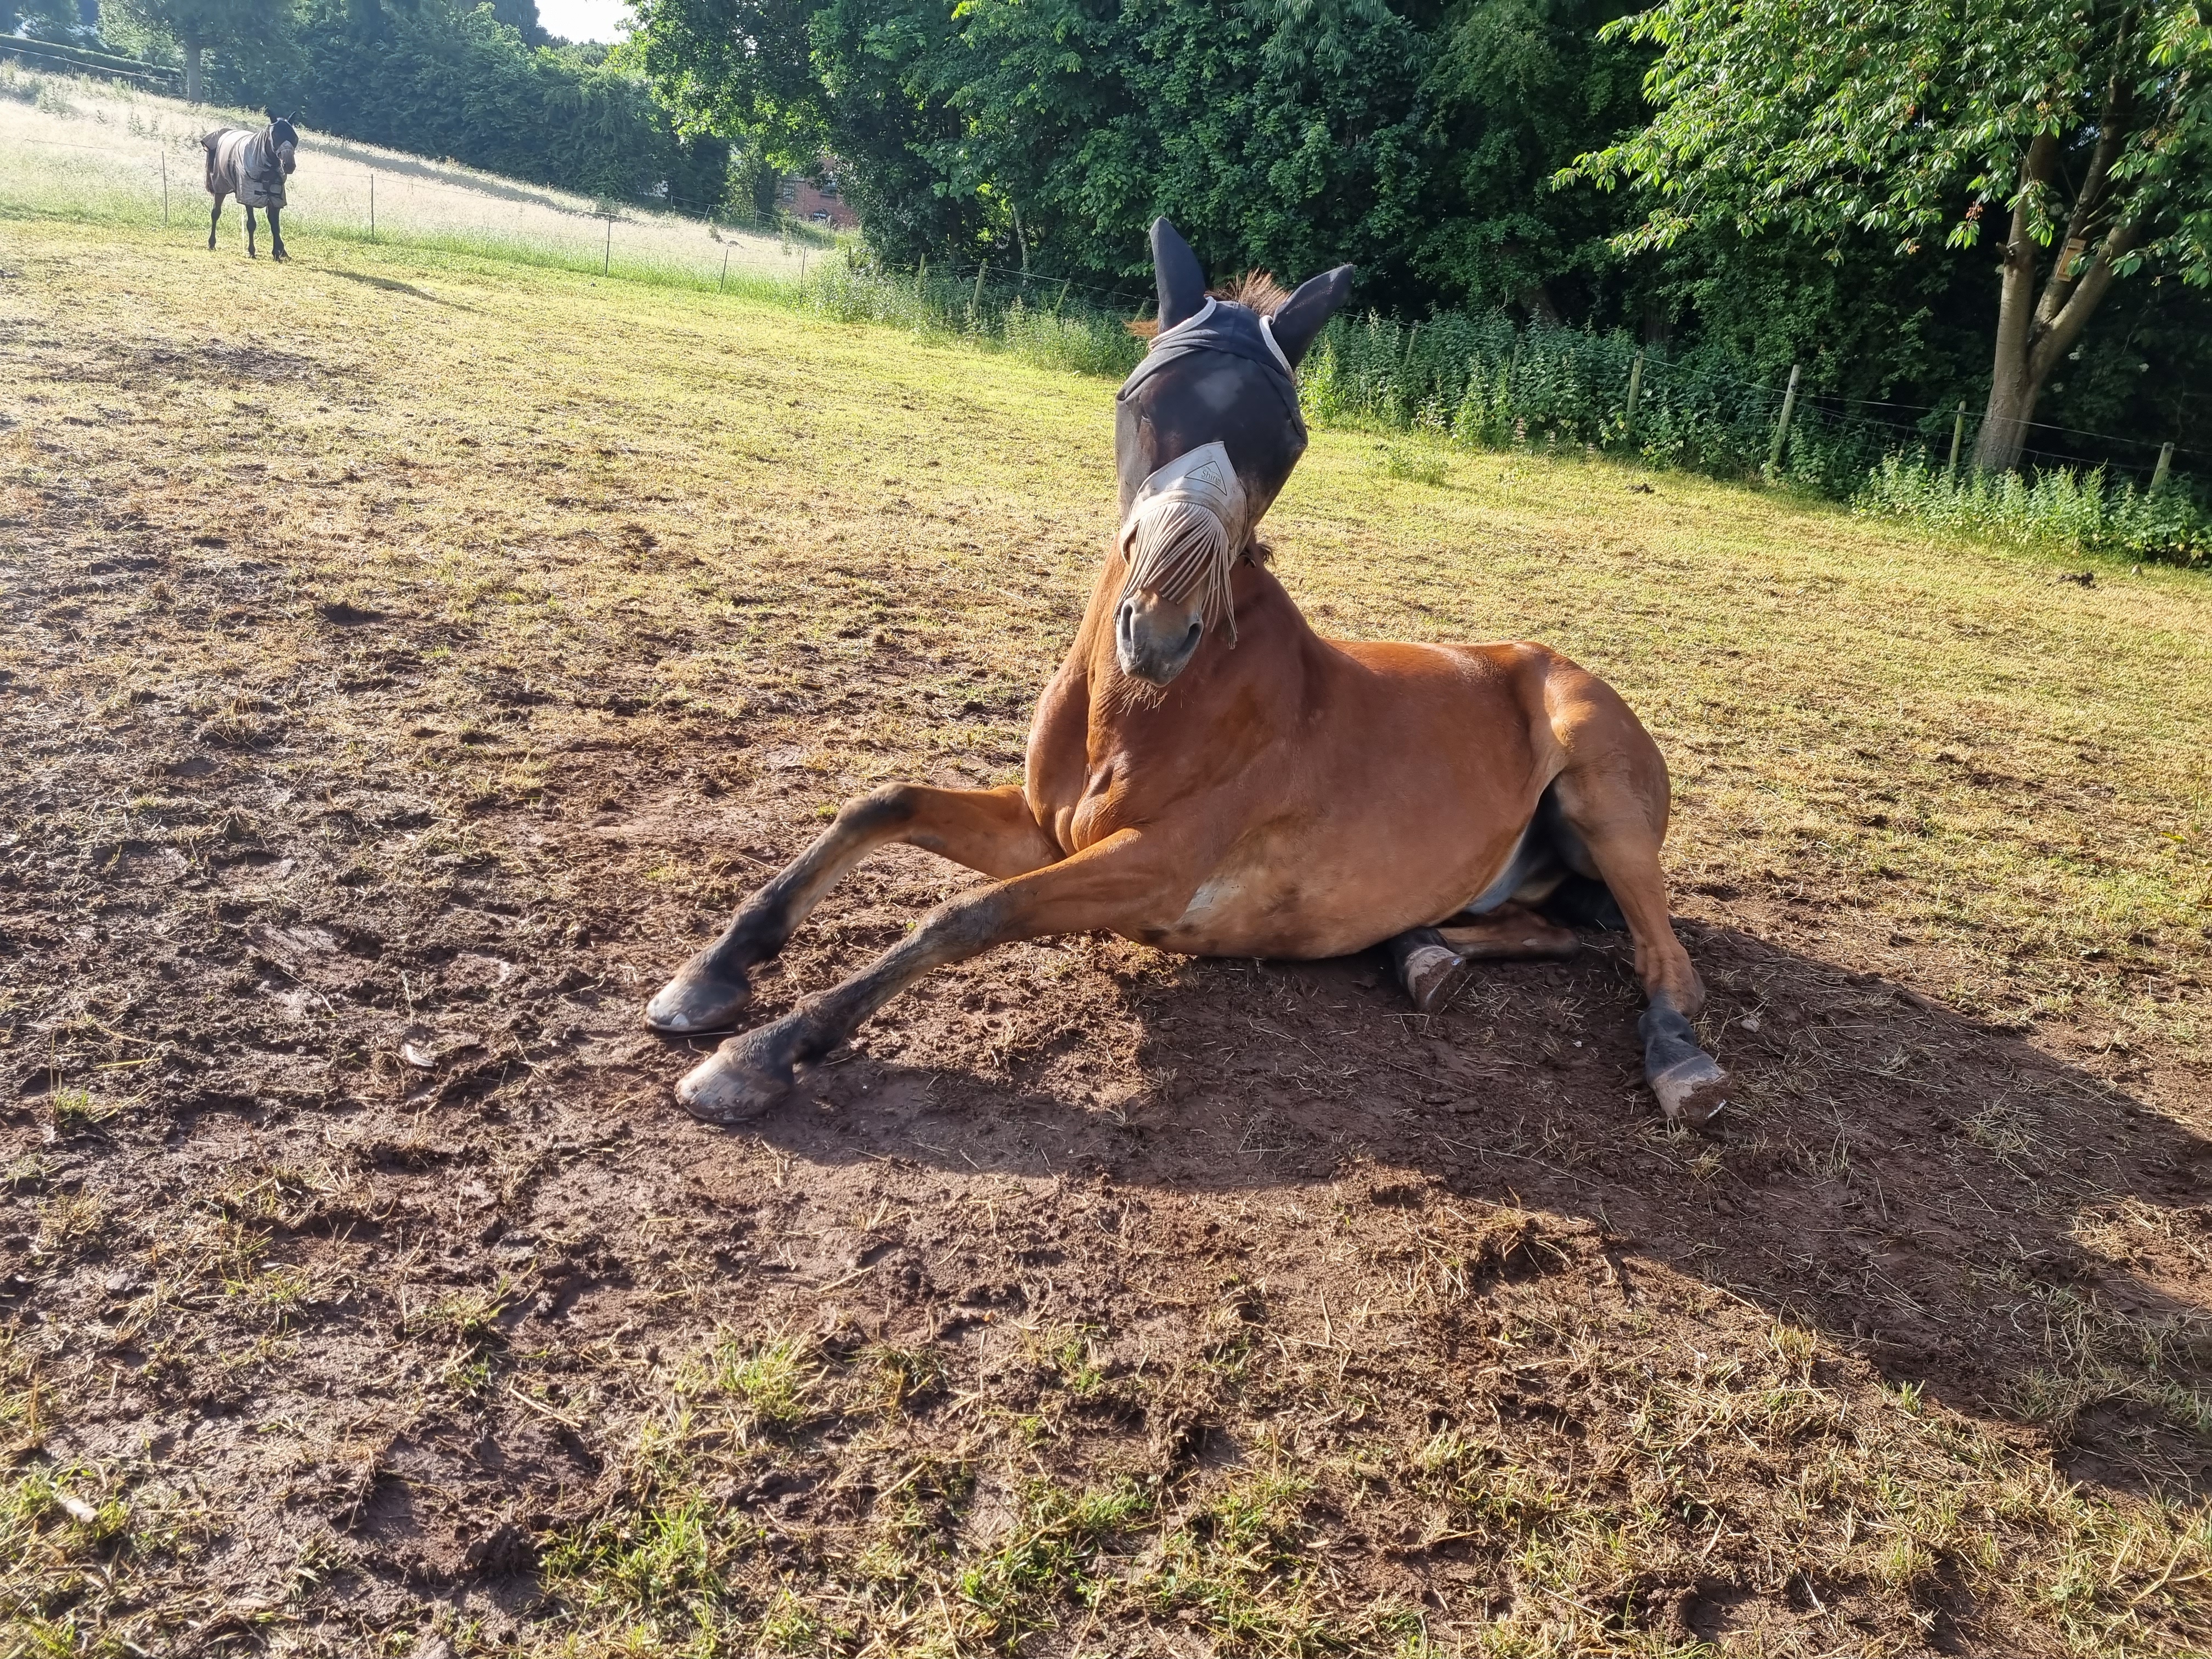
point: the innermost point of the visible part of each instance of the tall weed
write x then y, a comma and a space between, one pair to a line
2057, 507
1034, 322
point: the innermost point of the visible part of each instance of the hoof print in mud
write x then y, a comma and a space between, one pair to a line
733, 1084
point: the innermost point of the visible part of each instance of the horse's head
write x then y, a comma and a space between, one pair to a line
1206, 433
282, 134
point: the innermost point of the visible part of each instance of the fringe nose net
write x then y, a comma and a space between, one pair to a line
1182, 534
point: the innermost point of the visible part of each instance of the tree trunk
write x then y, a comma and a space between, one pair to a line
2031, 341
2014, 394
191, 45
2012, 399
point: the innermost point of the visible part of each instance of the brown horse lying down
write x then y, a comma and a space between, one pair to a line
1209, 775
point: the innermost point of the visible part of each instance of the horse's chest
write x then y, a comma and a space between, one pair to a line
255, 191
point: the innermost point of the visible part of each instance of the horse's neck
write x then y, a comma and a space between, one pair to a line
1260, 674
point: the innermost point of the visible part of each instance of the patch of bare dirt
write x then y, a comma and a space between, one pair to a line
347, 1198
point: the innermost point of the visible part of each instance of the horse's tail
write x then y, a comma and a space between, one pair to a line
212, 142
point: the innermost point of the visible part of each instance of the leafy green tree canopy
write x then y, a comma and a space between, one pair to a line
1417, 140
2083, 123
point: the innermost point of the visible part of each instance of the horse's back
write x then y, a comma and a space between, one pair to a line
231, 169
1454, 683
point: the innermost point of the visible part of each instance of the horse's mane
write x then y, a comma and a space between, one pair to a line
1257, 289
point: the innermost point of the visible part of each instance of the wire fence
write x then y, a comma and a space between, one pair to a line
356, 194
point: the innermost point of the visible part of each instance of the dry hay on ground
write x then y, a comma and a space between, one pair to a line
385, 703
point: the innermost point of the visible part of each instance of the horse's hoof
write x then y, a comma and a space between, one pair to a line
1692, 1093
1432, 973
737, 1082
700, 999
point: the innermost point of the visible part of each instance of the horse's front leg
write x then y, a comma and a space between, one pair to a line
276, 238
250, 253
215, 218
1128, 884
992, 831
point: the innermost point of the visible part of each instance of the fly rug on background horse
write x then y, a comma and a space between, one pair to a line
253, 166
1208, 776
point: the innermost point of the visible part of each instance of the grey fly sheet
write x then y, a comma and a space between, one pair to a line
253, 166
246, 164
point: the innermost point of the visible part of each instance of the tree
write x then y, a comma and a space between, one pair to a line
742, 70
1512, 90
1417, 140
197, 25
2087, 123
449, 79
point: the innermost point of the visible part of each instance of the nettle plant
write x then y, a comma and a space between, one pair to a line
2082, 132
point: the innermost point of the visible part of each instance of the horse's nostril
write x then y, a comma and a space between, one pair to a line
1191, 638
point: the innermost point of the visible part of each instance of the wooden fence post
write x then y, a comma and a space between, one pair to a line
372, 205
921, 278
2164, 465
1060, 299
1635, 391
607, 257
1782, 426
1957, 436
165, 185
725, 276
977, 298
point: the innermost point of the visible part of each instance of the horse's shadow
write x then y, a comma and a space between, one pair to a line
1970, 1214
391, 285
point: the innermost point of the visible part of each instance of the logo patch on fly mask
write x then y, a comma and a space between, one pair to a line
1184, 531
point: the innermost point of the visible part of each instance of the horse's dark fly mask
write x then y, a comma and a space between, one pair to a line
1206, 433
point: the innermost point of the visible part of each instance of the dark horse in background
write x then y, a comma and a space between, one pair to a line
1208, 776
253, 166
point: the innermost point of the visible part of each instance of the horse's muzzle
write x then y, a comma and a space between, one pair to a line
284, 155
1155, 639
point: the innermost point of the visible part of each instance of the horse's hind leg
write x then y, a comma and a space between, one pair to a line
214, 219
1612, 804
1429, 970
1432, 962
1128, 883
992, 831
250, 253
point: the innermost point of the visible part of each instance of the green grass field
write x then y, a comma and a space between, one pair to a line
568, 606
